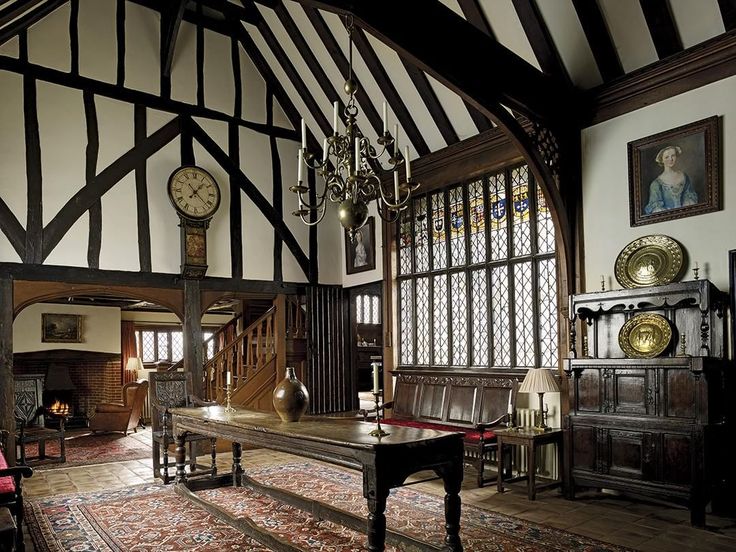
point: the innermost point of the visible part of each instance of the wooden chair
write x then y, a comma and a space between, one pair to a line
11, 494
173, 390
30, 417
124, 416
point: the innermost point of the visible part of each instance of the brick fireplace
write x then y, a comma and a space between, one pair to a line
82, 378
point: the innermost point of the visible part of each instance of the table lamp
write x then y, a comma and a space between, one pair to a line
134, 364
540, 381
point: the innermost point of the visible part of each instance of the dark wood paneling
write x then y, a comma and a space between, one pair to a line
662, 27
95, 211
462, 404
276, 194
584, 447
120, 41
34, 216
626, 456
431, 401
7, 388
192, 335
236, 214
74, 36
141, 193
680, 393
676, 458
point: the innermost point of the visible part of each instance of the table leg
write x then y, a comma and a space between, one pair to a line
531, 463
181, 458
499, 459
377, 520
42, 448
237, 467
453, 479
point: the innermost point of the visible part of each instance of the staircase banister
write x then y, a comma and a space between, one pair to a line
240, 336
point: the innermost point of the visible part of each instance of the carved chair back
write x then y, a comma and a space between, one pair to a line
168, 390
29, 400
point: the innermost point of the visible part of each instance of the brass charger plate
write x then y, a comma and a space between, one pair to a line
649, 261
645, 336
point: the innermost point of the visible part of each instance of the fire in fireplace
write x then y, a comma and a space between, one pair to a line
58, 395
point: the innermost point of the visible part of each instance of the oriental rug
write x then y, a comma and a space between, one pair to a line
153, 517
83, 449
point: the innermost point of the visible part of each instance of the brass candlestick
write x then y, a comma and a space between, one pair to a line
682, 352
695, 272
378, 431
228, 394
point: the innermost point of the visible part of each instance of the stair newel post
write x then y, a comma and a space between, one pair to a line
280, 334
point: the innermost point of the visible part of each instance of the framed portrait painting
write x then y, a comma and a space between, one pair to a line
676, 173
61, 328
360, 252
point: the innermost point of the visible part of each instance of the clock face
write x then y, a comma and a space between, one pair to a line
194, 193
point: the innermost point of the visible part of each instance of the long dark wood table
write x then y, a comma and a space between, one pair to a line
385, 462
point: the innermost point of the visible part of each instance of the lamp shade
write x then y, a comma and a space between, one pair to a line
539, 380
134, 363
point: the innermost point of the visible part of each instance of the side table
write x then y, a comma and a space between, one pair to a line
531, 439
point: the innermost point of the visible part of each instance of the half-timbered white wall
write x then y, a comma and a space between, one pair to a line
63, 142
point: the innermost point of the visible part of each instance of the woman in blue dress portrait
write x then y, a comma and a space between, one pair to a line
672, 188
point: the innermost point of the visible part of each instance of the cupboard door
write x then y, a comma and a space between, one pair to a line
584, 448
631, 391
628, 454
676, 458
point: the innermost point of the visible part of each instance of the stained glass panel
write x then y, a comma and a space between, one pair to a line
479, 317
405, 242
423, 328
500, 323
457, 227
477, 215
545, 226
459, 302
421, 235
524, 311
497, 216
439, 309
548, 331
521, 229
406, 319
439, 235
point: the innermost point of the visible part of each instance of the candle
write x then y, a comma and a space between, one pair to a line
696, 264
396, 186
300, 158
385, 120
357, 154
510, 408
396, 141
228, 378
324, 150
375, 378
334, 117
304, 135
408, 163
603, 283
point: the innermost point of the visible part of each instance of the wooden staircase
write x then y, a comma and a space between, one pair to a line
257, 357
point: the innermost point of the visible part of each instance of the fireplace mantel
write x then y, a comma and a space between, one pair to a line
66, 355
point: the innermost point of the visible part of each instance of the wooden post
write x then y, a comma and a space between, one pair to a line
280, 336
192, 330
7, 385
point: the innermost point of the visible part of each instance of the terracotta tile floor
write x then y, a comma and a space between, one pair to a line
605, 516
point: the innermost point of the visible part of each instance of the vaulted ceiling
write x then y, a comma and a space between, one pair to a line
536, 57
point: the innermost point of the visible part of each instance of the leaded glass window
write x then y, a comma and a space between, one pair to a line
477, 278
165, 343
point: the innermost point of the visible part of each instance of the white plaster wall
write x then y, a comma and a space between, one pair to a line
12, 147
100, 328
707, 238
48, 40
97, 40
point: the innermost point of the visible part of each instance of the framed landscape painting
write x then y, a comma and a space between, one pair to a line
676, 173
61, 328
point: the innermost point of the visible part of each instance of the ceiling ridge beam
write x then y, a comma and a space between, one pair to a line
662, 27
170, 22
29, 19
599, 38
389, 91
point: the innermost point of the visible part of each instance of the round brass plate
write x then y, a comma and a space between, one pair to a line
645, 336
649, 261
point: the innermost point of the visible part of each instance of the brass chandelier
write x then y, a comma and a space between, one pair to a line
348, 165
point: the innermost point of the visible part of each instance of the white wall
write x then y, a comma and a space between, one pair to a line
706, 238
100, 328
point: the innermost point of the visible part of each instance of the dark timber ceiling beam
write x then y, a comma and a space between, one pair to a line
170, 23
728, 13
540, 39
360, 40
33, 16
482, 73
429, 97
601, 43
14, 9
662, 27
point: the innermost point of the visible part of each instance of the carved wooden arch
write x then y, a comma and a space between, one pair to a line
27, 292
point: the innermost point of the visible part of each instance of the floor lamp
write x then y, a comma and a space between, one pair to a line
540, 381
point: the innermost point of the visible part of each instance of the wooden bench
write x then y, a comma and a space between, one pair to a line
471, 403
11, 496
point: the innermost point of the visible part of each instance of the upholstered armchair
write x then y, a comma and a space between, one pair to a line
11, 491
124, 416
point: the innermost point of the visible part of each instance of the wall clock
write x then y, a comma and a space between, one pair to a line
194, 193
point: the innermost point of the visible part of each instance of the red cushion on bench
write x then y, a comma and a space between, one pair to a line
471, 435
7, 484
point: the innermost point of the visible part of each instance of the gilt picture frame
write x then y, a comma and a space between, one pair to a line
360, 253
61, 328
676, 173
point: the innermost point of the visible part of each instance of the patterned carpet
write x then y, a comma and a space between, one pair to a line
86, 448
153, 517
